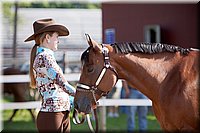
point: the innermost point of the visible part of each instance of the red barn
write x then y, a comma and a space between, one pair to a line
139, 22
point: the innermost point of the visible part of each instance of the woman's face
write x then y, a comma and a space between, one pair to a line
53, 41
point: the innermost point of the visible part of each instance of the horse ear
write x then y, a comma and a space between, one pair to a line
93, 43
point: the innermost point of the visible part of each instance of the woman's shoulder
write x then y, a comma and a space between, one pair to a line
42, 55
45, 53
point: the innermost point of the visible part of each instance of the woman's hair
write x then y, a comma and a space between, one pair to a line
38, 40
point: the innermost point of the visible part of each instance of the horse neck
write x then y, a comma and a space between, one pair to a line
143, 71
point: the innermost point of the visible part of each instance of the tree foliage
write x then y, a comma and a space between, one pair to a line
52, 4
8, 7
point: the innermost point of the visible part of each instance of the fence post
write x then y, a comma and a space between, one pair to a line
15, 34
102, 110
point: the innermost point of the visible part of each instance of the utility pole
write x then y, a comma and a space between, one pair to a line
15, 34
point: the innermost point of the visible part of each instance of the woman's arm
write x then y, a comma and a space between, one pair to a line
54, 72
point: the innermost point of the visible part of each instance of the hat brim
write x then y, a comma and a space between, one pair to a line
60, 29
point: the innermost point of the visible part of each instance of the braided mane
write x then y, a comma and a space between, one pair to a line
149, 48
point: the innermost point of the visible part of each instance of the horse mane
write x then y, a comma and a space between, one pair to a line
140, 47
149, 48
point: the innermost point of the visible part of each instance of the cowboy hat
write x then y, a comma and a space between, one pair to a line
45, 25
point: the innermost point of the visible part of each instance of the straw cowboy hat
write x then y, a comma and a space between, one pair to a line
44, 25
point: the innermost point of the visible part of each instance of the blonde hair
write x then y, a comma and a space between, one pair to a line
38, 40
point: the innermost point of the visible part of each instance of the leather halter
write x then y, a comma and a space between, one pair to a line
94, 88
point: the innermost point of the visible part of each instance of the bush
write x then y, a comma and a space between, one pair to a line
60, 4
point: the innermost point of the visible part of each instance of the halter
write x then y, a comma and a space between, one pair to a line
94, 89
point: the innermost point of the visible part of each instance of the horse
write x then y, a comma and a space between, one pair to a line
18, 90
167, 74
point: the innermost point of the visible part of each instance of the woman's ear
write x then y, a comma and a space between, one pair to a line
48, 38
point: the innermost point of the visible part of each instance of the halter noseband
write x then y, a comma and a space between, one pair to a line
94, 88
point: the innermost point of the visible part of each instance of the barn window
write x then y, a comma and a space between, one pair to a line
152, 33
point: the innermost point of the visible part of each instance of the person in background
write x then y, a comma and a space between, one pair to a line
131, 110
113, 111
48, 78
124, 95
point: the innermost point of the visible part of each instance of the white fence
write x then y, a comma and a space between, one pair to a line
25, 78
69, 77
102, 102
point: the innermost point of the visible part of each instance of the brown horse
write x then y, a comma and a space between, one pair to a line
18, 90
166, 74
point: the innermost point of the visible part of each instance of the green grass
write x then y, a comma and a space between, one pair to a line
22, 122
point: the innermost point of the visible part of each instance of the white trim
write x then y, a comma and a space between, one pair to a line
83, 86
100, 76
25, 78
102, 102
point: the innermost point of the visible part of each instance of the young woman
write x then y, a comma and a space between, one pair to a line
48, 78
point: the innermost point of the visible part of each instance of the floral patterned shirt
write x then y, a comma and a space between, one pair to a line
50, 82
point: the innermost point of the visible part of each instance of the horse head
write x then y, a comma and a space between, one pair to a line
97, 78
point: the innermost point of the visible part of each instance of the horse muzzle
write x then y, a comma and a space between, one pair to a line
84, 108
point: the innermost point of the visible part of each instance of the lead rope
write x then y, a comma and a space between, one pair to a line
76, 119
89, 123
95, 115
96, 122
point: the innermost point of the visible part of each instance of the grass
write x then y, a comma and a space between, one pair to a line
22, 122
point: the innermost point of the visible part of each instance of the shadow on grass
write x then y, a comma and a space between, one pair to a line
30, 127
23, 123
19, 126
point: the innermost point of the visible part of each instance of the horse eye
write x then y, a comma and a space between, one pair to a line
90, 69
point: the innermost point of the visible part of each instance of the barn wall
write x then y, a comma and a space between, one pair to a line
178, 22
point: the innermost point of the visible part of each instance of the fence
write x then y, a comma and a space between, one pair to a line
69, 77
102, 102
